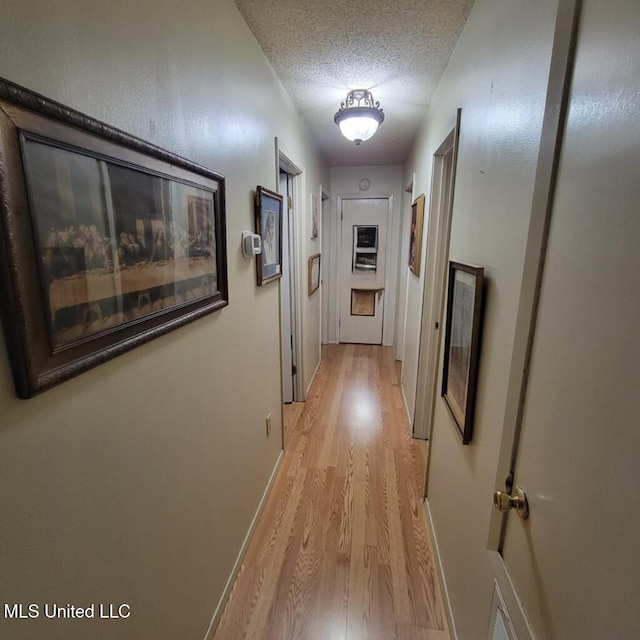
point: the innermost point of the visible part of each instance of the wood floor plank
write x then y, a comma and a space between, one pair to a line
401, 603
357, 584
342, 550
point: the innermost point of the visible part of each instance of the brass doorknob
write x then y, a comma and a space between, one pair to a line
518, 501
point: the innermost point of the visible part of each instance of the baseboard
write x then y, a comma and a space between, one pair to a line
243, 550
406, 408
313, 377
443, 582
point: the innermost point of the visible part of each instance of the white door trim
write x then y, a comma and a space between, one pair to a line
443, 180
287, 165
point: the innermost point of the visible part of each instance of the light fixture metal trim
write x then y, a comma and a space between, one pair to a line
359, 116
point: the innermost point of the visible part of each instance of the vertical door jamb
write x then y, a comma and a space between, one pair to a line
440, 215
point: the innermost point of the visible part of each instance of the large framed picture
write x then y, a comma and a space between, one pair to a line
268, 212
106, 241
313, 275
462, 344
415, 239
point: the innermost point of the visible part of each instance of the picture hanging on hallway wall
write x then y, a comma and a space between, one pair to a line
268, 213
313, 275
462, 344
106, 241
415, 239
314, 216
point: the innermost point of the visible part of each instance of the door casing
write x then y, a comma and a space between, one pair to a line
438, 232
297, 191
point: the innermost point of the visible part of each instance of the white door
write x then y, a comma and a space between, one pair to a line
575, 563
286, 325
362, 269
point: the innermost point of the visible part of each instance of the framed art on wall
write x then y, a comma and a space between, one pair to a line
268, 214
314, 216
313, 274
415, 239
462, 344
106, 241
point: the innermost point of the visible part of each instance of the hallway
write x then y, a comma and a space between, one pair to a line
342, 550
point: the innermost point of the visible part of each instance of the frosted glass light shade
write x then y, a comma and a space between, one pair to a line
359, 128
359, 116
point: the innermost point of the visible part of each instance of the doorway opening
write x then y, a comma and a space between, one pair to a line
288, 177
438, 232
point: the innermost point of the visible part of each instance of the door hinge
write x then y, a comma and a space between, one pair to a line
289, 202
294, 370
508, 483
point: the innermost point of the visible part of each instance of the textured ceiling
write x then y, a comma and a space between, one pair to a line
320, 49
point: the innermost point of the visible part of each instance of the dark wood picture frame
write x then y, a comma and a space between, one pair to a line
462, 344
415, 239
268, 214
106, 241
313, 274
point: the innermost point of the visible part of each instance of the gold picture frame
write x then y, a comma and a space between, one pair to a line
415, 239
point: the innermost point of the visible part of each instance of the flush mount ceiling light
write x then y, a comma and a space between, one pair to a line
359, 116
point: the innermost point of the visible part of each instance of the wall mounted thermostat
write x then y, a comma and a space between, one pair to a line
251, 244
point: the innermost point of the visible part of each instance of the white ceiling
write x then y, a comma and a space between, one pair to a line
320, 49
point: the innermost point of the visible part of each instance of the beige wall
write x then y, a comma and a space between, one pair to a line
498, 75
311, 306
137, 481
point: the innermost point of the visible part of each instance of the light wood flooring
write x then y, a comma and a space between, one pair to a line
342, 550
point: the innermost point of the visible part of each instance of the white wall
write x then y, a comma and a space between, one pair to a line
386, 181
137, 481
498, 75
311, 305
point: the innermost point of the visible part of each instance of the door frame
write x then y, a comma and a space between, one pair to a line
325, 265
283, 163
287, 283
443, 181
388, 317
554, 121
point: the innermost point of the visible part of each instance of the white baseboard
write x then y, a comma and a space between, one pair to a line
313, 377
443, 582
406, 408
243, 550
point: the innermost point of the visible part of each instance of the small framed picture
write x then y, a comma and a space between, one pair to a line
462, 343
268, 213
314, 274
415, 239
